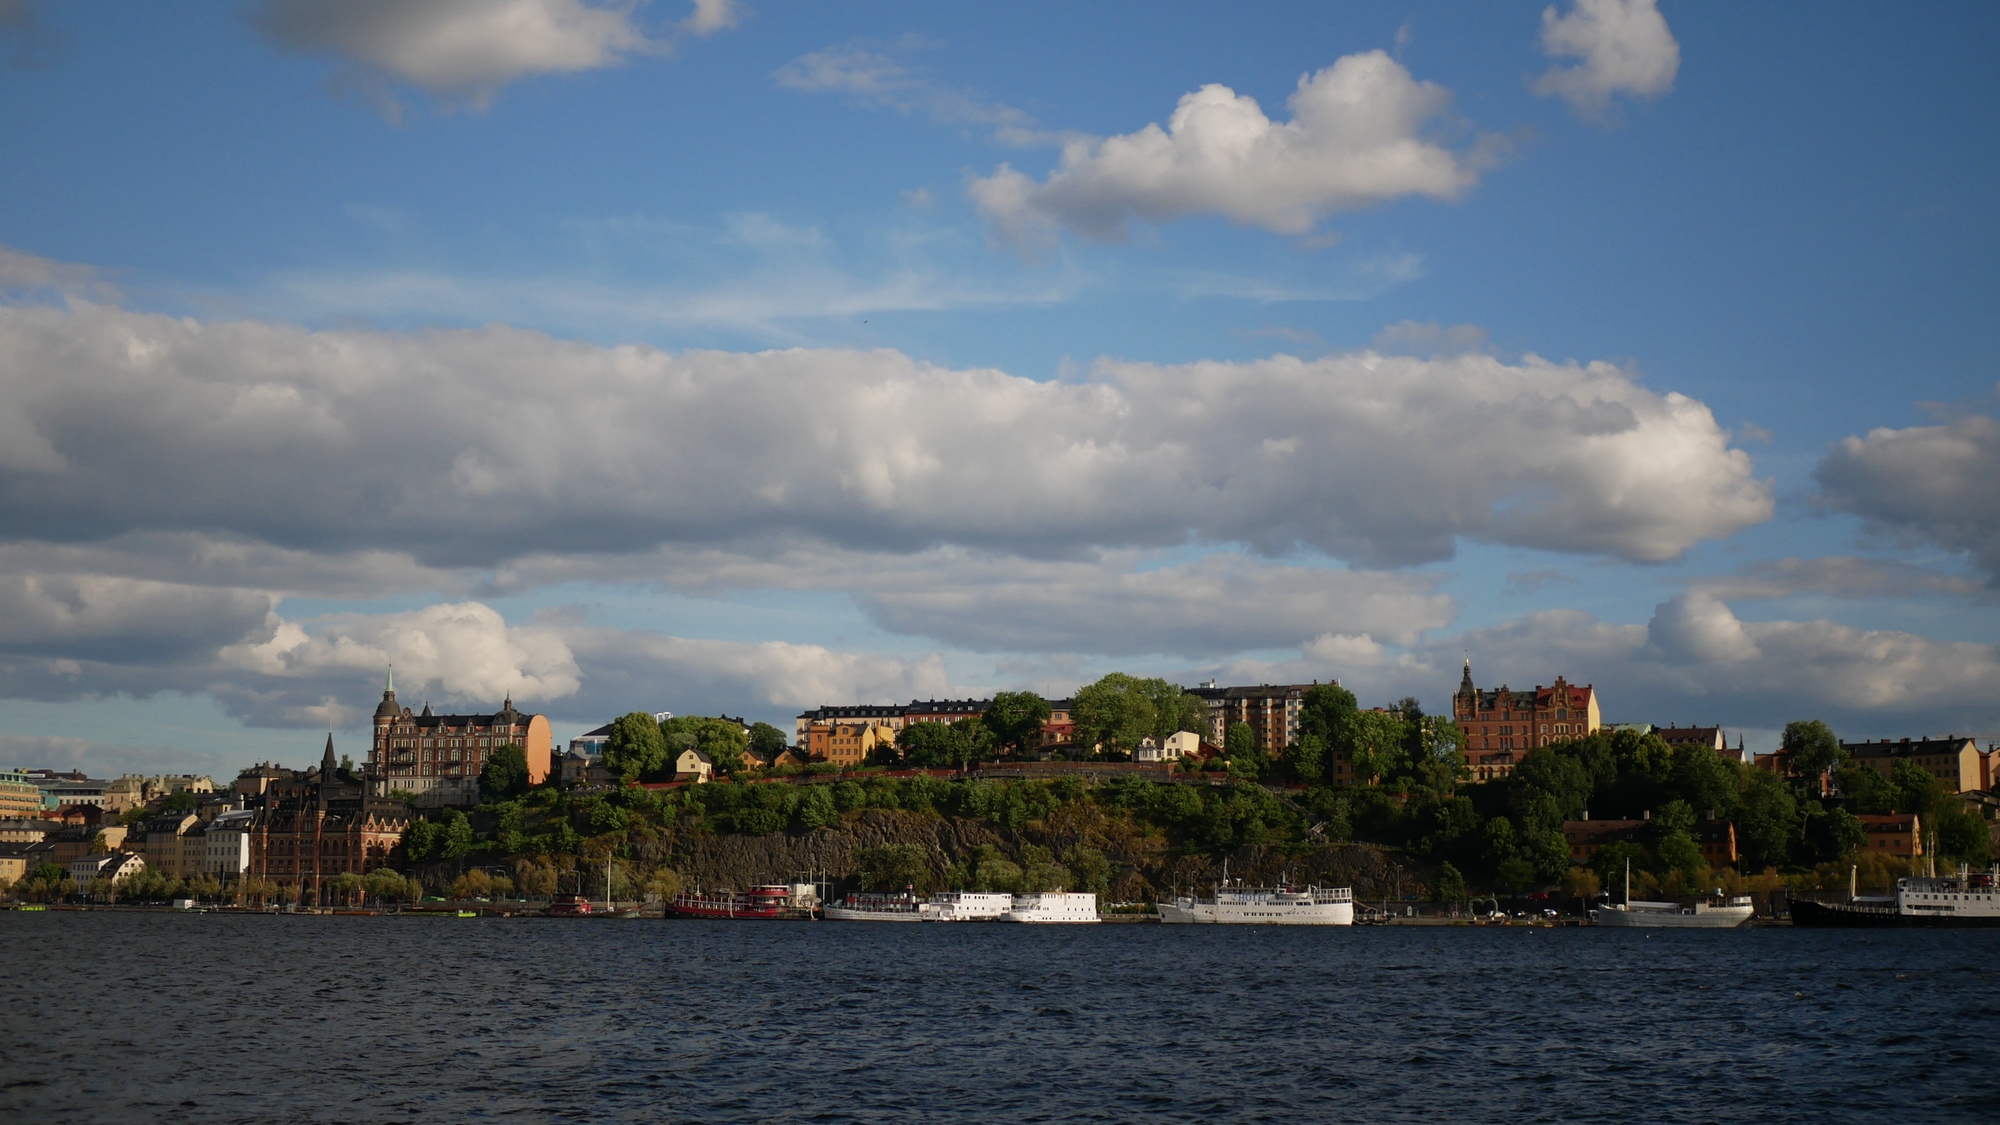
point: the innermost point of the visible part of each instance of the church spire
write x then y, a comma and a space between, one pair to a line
327, 762
1465, 681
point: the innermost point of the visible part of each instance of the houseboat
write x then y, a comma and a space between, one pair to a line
1052, 906
774, 902
1265, 906
1719, 912
1971, 898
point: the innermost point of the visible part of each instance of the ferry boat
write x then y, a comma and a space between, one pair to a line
1971, 898
770, 902
966, 906
1721, 913
1052, 906
1265, 906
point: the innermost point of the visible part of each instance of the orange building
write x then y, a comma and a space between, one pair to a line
1899, 834
1500, 726
1273, 712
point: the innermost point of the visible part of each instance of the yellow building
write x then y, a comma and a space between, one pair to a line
1955, 761
847, 744
19, 797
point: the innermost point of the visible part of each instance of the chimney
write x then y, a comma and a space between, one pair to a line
1649, 814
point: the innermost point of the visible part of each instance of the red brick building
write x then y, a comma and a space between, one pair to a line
1502, 725
443, 755
313, 825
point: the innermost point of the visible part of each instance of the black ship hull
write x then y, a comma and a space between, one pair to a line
1806, 912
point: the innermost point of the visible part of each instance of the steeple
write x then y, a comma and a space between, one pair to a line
1465, 681
327, 762
387, 709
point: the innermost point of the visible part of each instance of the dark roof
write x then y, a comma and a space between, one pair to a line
1949, 744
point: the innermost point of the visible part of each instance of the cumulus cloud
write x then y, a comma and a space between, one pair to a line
1354, 140
468, 448
627, 670
1623, 47
124, 619
1932, 482
467, 50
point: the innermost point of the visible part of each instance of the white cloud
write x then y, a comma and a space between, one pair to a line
467, 50
1932, 482
1354, 140
1836, 576
468, 448
627, 670
122, 619
872, 74
1624, 46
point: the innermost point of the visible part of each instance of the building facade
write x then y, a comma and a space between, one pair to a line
1500, 726
1958, 763
1897, 834
1273, 712
309, 827
19, 797
441, 756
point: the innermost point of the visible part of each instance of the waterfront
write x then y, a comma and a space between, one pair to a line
215, 1018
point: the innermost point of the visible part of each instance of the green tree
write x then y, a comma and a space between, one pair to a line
1835, 833
505, 774
931, 745
723, 740
347, 886
636, 748
1016, 719
817, 808
1239, 740
1867, 791
1325, 711
1914, 788
423, 841
1962, 835
1449, 885
1374, 741
1119, 711
1810, 748
1092, 870
768, 741
892, 867
458, 837
1305, 760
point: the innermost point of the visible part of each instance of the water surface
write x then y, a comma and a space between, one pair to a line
159, 1017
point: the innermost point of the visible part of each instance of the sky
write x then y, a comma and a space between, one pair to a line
743, 358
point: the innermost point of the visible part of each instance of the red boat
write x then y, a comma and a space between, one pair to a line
569, 906
768, 903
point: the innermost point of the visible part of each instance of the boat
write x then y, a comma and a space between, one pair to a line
1265, 906
966, 906
1971, 898
771, 902
569, 906
1052, 906
468, 914
1719, 913
902, 907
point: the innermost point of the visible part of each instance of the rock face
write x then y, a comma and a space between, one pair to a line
1142, 867
742, 861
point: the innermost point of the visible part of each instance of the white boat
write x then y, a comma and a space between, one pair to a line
1052, 906
876, 908
966, 906
1970, 899
1265, 906
1721, 913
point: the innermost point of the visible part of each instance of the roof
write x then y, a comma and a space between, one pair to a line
1259, 691
1891, 822
699, 756
1949, 744
1681, 736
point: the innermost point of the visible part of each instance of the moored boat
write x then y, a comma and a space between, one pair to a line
1052, 906
966, 906
1720, 912
1970, 899
773, 902
1264, 906
902, 907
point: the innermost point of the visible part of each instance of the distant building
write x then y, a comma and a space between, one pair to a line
1500, 726
945, 711
1173, 748
1957, 762
225, 844
25, 830
14, 861
161, 842
1058, 729
1273, 712
1716, 838
695, 766
312, 826
889, 715
19, 797
847, 744
441, 756
591, 743
1898, 834
115, 866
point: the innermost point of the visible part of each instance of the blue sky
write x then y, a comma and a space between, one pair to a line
726, 358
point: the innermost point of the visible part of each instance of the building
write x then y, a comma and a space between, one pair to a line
1180, 744
25, 831
225, 844
441, 756
1059, 729
945, 711
160, 842
1500, 726
74, 841
115, 867
14, 860
872, 714
1273, 712
19, 797
1716, 838
847, 744
1898, 834
311, 826
1956, 762
695, 766
60, 789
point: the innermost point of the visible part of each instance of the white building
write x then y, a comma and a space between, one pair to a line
1178, 745
226, 844
115, 866
693, 765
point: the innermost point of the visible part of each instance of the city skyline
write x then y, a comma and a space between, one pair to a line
743, 359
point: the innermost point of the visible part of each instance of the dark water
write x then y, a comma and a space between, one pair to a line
215, 1018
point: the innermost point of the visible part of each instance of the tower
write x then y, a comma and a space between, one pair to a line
386, 713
